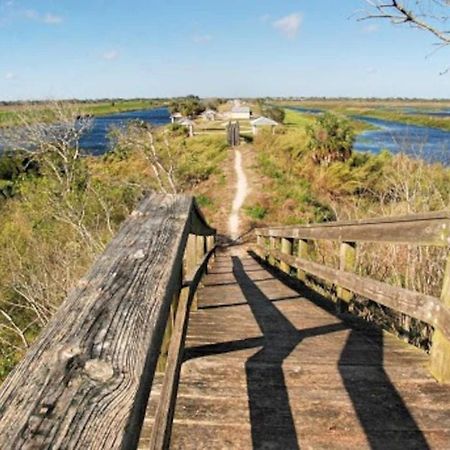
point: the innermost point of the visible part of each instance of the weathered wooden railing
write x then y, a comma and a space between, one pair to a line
85, 383
433, 229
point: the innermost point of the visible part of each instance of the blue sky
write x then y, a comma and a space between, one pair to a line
117, 48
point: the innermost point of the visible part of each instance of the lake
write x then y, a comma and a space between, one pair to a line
431, 144
96, 140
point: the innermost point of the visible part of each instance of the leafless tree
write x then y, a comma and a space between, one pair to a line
51, 135
157, 150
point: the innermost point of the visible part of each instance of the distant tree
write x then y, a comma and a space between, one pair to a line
275, 113
189, 106
330, 139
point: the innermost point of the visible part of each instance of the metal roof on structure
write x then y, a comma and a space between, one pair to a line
241, 109
263, 121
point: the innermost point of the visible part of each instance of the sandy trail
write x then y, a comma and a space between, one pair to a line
240, 196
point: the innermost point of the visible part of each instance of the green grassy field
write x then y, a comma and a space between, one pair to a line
297, 119
384, 109
8, 114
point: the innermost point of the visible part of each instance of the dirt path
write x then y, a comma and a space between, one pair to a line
234, 221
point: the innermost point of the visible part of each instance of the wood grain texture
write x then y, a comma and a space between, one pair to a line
420, 306
85, 382
166, 407
420, 229
268, 366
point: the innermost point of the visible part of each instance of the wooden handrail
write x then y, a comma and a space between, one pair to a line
420, 306
419, 229
86, 380
432, 229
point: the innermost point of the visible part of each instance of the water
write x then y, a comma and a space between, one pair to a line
431, 144
444, 112
96, 141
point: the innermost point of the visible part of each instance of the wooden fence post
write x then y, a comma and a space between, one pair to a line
440, 349
272, 245
191, 261
286, 247
347, 263
302, 252
261, 244
162, 360
200, 250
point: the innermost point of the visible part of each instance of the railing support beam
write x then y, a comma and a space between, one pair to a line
286, 248
440, 349
302, 252
347, 263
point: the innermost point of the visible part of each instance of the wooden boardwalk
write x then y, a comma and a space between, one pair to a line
267, 367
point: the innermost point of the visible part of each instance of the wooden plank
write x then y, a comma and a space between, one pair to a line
423, 229
420, 306
242, 387
86, 380
166, 407
440, 350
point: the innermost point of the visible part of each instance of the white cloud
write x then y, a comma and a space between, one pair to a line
52, 19
371, 28
202, 38
371, 70
289, 25
110, 55
264, 18
31, 14
47, 18
10, 76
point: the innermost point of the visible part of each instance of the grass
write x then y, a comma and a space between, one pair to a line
9, 114
383, 109
256, 212
297, 119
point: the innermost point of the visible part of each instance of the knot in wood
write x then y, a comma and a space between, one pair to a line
98, 370
140, 254
136, 214
68, 352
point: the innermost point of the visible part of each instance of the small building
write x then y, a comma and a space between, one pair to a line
262, 122
189, 124
240, 113
176, 116
209, 114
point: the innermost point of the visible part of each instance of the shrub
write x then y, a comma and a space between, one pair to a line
330, 139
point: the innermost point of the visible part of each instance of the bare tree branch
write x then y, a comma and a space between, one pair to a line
427, 15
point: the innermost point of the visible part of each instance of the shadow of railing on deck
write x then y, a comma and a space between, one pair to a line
377, 403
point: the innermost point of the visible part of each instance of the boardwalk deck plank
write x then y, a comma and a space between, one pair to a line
269, 367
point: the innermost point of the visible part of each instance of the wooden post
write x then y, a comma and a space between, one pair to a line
191, 261
162, 360
210, 241
286, 247
347, 263
260, 242
302, 252
440, 349
272, 245
200, 250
